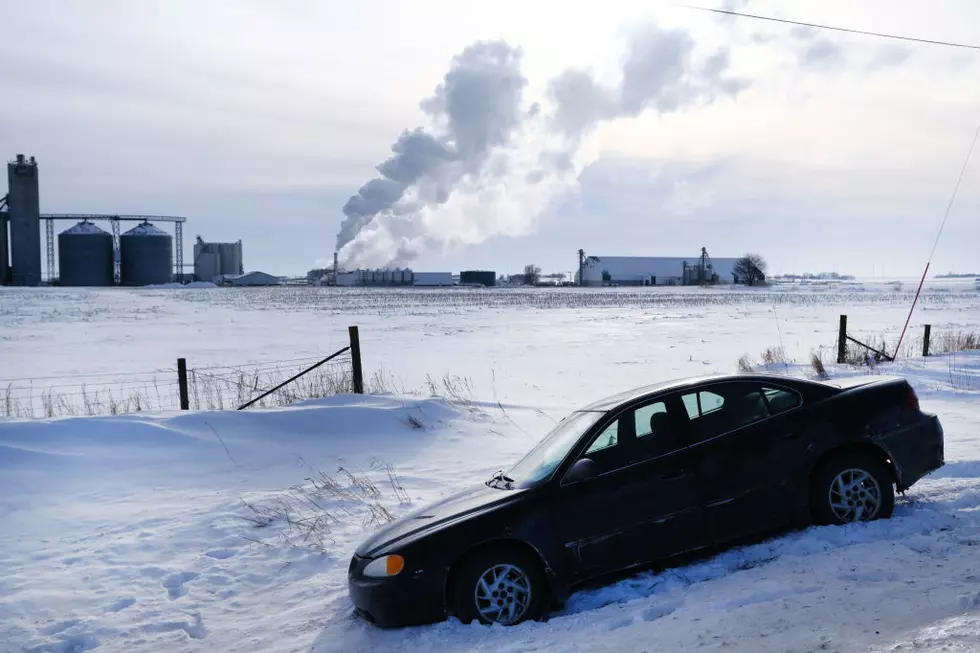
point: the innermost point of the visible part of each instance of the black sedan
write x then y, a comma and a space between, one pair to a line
642, 477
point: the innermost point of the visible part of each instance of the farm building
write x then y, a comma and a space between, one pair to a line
655, 270
249, 279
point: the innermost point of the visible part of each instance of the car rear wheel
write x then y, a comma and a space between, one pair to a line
499, 586
852, 487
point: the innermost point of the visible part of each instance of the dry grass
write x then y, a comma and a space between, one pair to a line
745, 365
305, 516
816, 362
774, 356
769, 356
206, 390
455, 390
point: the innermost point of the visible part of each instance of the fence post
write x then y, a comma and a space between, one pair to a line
355, 355
925, 340
182, 382
842, 340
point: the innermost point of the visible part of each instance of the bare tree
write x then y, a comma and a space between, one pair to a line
531, 274
750, 269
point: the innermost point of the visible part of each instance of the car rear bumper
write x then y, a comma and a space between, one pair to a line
916, 450
407, 599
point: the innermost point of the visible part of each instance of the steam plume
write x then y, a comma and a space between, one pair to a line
490, 165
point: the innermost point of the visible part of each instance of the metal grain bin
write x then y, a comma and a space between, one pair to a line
231, 258
146, 256
85, 256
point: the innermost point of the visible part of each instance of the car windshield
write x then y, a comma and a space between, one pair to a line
542, 460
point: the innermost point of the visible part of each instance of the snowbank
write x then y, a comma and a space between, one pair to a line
169, 532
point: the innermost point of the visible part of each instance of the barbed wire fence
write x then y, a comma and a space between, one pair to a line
210, 387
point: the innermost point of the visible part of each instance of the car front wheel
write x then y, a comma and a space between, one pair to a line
499, 587
852, 487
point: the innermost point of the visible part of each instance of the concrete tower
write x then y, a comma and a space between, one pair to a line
4, 259
23, 205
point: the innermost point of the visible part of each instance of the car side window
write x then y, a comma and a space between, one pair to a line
646, 420
658, 431
725, 408
780, 401
702, 403
608, 439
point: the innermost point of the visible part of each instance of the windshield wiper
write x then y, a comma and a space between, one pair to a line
499, 476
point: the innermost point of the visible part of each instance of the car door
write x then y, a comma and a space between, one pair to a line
740, 448
643, 504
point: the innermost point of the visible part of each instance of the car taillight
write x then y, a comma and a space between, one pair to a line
911, 400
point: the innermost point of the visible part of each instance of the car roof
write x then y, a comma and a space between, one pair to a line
618, 399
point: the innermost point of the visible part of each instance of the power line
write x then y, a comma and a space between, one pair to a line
898, 37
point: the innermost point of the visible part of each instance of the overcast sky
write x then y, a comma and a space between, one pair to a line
259, 120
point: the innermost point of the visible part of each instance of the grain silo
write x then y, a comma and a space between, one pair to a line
146, 256
231, 258
85, 256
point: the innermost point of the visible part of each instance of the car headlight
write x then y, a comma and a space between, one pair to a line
385, 566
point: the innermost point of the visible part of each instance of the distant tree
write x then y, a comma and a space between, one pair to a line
531, 274
750, 269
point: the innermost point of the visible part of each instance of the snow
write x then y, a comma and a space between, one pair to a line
131, 533
191, 284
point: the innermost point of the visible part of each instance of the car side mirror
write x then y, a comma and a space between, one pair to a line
584, 469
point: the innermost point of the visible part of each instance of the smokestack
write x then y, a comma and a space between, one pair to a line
335, 264
20, 159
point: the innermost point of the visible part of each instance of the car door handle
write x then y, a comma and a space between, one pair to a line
674, 475
791, 436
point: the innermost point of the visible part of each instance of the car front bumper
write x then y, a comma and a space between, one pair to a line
408, 599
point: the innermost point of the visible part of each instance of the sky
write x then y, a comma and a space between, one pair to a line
505, 133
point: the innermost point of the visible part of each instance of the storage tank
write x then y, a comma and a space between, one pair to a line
85, 256
231, 258
478, 277
146, 256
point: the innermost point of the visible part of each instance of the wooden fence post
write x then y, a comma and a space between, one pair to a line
355, 355
842, 340
925, 340
182, 382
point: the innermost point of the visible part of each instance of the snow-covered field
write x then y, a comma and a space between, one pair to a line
134, 533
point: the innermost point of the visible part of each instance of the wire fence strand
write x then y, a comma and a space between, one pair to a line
211, 387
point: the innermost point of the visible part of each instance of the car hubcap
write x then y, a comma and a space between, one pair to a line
854, 496
503, 594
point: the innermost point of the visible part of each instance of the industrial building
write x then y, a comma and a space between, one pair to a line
392, 277
655, 270
213, 260
486, 278
141, 256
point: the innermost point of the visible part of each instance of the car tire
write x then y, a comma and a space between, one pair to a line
518, 594
851, 487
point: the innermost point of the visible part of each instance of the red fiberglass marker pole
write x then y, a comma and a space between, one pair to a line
909, 318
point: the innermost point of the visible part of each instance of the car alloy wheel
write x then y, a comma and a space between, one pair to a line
854, 495
851, 486
503, 594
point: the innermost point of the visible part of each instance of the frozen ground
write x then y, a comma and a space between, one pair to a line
130, 533
589, 341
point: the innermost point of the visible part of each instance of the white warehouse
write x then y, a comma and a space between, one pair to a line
655, 271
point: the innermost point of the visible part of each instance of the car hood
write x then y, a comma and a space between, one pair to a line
466, 503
